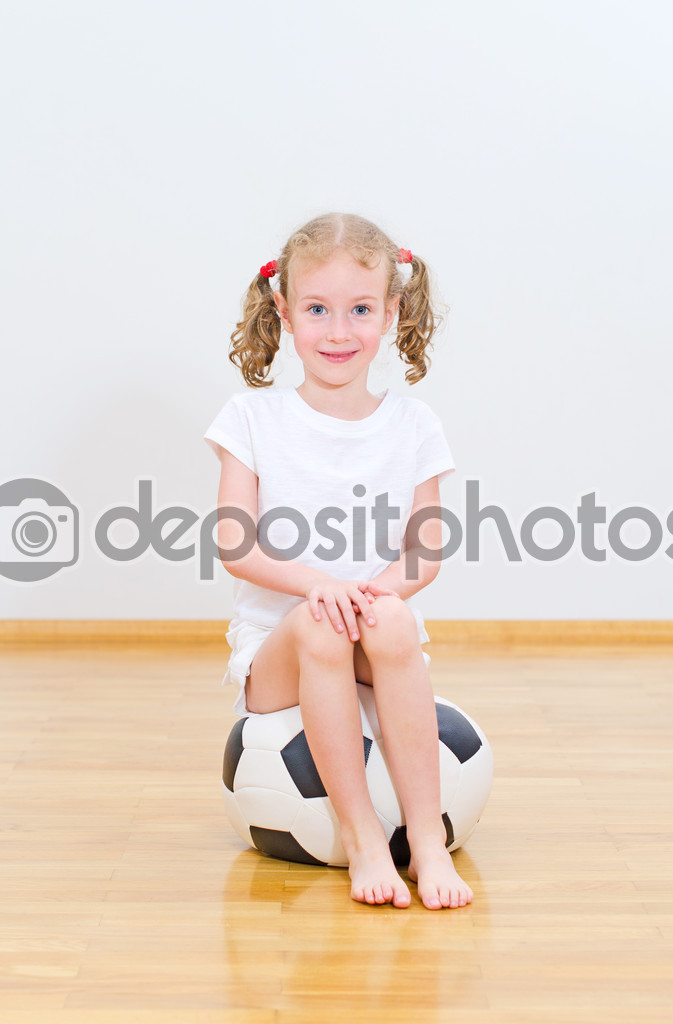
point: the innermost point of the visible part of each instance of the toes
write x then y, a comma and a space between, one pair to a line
402, 898
431, 899
445, 896
456, 897
378, 894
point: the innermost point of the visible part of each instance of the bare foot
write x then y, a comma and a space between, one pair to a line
439, 884
374, 878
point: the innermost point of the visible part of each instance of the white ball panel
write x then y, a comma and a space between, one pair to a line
322, 805
235, 817
370, 722
267, 808
273, 731
475, 785
388, 826
318, 835
461, 839
449, 776
383, 793
260, 768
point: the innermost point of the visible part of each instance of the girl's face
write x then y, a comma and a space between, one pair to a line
337, 313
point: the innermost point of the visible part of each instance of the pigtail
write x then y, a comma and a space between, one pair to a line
256, 339
416, 322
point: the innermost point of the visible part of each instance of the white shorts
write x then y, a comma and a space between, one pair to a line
246, 638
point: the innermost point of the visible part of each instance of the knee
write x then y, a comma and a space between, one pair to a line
395, 634
319, 640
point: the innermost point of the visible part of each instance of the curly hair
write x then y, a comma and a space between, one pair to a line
256, 339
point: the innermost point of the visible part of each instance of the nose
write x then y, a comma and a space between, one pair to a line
338, 329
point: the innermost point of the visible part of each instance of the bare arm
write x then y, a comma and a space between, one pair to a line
398, 576
238, 489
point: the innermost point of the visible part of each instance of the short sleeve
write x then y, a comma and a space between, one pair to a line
433, 455
231, 430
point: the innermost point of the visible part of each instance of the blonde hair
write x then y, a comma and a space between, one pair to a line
256, 339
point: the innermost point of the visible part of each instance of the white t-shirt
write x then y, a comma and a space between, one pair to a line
321, 478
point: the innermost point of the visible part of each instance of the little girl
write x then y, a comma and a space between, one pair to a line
311, 617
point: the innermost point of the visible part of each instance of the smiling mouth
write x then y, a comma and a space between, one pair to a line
338, 357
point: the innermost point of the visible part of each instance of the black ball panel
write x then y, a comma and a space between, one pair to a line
399, 847
232, 754
301, 767
457, 733
281, 845
399, 844
449, 829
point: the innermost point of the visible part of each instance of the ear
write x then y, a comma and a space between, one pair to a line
391, 310
283, 311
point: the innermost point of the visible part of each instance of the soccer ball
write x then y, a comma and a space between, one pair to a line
276, 802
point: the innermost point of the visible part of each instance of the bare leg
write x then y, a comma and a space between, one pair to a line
406, 710
306, 662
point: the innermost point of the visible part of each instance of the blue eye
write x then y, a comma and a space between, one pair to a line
361, 310
318, 307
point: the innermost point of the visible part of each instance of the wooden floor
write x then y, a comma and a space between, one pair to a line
126, 896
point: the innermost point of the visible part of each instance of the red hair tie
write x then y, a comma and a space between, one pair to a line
269, 269
404, 256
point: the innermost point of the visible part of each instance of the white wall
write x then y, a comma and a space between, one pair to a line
161, 151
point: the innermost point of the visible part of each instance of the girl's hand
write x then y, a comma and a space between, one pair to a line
372, 590
343, 599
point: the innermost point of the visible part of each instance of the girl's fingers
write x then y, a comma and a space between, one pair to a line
348, 613
334, 613
363, 606
314, 605
343, 605
349, 608
377, 590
